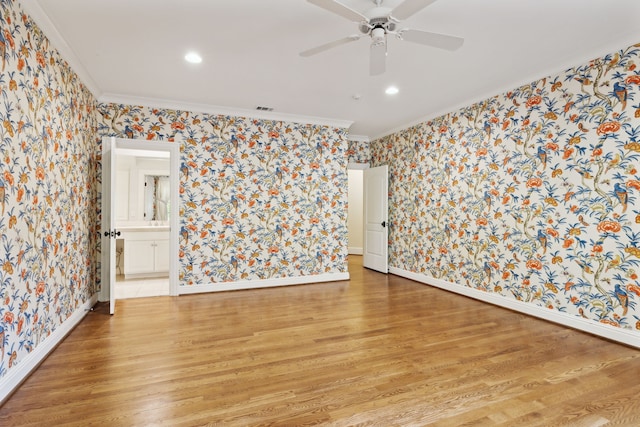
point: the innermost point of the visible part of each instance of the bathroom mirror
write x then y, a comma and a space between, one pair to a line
156, 198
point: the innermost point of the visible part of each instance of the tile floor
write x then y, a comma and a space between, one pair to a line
138, 288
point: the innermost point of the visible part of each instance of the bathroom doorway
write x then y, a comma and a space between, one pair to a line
143, 224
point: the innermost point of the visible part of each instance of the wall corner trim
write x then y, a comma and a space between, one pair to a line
609, 332
262, 283
16, 376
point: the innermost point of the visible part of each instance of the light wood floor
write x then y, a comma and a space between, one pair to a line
378, 350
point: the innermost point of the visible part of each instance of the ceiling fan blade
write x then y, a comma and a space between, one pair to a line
377, 58
327, 46
408, 8
340, 9
441, 41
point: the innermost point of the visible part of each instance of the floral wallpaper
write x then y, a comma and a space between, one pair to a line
359, 152
48, 156
533, 194
259, 199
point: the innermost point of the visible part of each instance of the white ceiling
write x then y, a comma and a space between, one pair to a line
132, 51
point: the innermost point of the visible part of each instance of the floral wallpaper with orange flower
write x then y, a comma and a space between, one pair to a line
259, 199
48, 220
533, 194
359, 152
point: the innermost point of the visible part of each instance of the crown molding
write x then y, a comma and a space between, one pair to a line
358, 138
557, 70
45, 24
219, 110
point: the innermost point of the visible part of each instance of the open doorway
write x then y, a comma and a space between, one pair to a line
355, 226
143, 208
161, 252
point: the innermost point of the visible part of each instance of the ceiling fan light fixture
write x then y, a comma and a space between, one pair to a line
193, 58
378, 35
391, 90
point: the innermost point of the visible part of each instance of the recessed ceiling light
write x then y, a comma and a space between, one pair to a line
193, 58
391, 90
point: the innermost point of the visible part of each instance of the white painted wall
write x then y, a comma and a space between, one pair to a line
355, 227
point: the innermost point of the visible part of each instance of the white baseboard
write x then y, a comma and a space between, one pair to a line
17, 375
264, 283
352, 250
610, 332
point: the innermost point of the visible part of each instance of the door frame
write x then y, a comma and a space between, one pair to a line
356, 167
173, 148
107, 233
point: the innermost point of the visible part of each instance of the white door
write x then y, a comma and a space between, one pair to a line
108, 223
376, 236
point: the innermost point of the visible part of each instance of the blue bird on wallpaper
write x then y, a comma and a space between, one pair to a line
185, 170
542, 155
487, 200
620, 192
623, 299
447, 231
234, 202
487, 129
487, 270
279, 173
279, 231
620, 91
3, 48
447, 169
234, 142
184, 234
542, 239
234, 263
128, 131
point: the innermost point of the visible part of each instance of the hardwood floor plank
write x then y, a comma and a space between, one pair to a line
377, 350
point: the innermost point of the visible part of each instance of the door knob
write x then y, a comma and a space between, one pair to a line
384, 224
113, 233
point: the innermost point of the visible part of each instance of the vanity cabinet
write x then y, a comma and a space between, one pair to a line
146, 253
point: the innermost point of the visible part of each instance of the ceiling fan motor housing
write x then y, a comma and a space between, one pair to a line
385, 23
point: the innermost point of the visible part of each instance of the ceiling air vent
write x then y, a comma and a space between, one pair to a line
263, 108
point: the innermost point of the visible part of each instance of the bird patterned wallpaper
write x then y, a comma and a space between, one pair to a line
533, 194
259, 199
358, 152
48, 192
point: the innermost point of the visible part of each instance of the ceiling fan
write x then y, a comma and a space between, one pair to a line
379, 22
